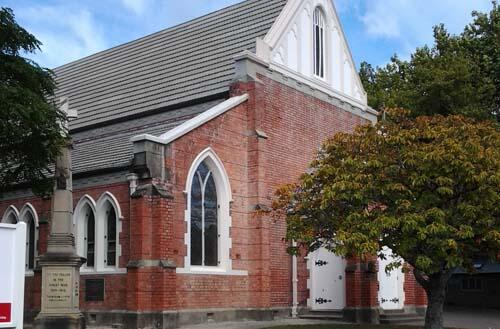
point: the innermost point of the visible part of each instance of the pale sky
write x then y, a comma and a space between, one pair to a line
376, 29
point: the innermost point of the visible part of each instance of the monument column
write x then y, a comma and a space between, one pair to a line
61, 265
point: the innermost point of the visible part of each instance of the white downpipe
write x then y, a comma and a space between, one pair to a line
295, 282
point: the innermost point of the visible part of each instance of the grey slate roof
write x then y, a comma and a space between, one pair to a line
110, 147
176, 65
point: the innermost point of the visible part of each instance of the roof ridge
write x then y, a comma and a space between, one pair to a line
182, 63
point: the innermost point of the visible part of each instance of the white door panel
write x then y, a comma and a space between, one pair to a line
391, 285
327, 281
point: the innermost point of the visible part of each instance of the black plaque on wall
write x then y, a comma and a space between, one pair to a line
94, 290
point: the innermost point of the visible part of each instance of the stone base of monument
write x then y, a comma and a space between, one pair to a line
67, 321
60, 292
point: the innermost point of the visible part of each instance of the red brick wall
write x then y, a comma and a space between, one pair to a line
414, 294
153, 228
115, 285
151, 288
296, 124
32, 291
115, 293
116, 289
227, 135
362, 282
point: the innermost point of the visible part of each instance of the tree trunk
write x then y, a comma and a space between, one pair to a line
436, 294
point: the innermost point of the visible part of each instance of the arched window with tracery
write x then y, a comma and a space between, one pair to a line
204, 218
208, 218
319, 28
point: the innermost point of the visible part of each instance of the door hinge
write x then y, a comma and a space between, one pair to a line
323, 301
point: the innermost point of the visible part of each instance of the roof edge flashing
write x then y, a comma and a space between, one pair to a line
248, 55
194, 123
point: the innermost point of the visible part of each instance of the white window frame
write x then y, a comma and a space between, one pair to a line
105, 202
319, 19
224, 199
82, 209
100, 249
28, 209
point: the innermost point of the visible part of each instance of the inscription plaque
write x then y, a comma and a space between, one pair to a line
94, 290
59, 287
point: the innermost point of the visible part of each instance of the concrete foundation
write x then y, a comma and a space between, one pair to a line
420, 310
75, 321
363, 315
175, 319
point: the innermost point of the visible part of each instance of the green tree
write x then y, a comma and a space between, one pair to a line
428, 188
458, 75
30, 134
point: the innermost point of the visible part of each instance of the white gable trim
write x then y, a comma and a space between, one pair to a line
195, 122
284, 19
285, 22
277, 37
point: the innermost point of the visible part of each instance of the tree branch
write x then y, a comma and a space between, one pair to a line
422, 279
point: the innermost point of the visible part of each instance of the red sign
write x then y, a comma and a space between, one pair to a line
5, 313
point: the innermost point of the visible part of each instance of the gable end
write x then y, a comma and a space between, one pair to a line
316, 55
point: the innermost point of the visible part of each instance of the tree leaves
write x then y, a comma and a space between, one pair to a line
427, 188
30, 134
458, 75
13, 38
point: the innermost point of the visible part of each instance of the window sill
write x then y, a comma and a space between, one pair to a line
29, 273
321, 80
104, 271
210, 271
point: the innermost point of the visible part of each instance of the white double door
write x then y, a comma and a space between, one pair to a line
327, 281
391, 284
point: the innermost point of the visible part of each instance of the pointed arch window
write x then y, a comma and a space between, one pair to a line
29, 216
30, 241
319, 42
11, 216
11, 219
208, 218
204, 219
89, 237
110, 237
98, 227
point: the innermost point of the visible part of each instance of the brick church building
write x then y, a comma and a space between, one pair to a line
181, 141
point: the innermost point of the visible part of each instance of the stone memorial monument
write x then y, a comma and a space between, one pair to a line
61, 265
